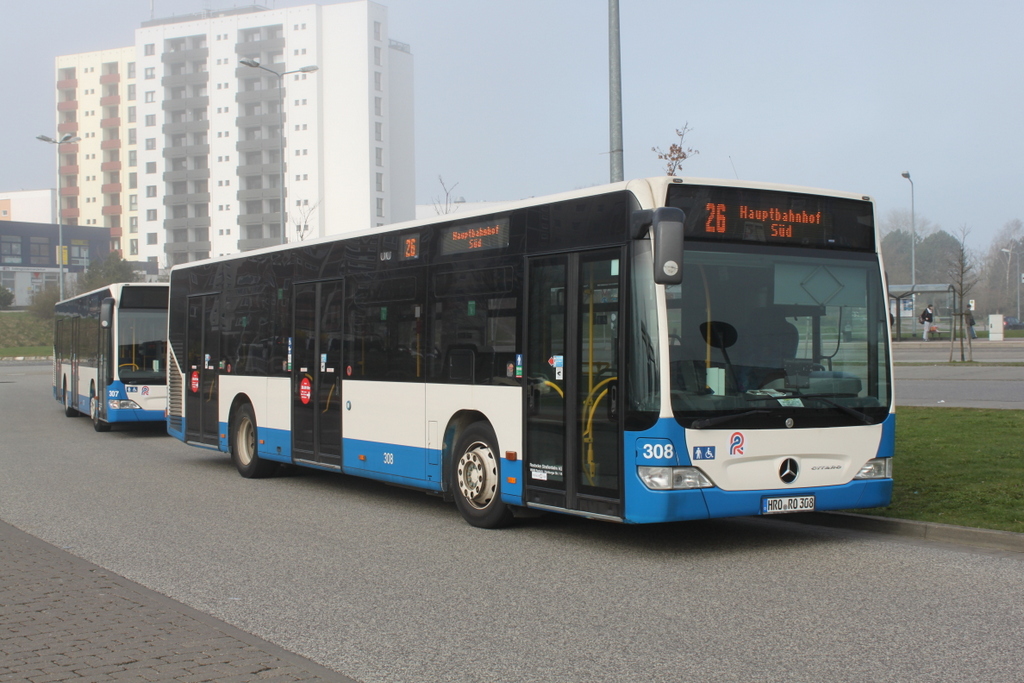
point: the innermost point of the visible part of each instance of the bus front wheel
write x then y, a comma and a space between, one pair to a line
94, 412
243, 445
476, 478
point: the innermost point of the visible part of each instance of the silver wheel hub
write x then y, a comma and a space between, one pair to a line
246, 441
477, 474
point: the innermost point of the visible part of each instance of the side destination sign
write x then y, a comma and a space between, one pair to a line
459, 239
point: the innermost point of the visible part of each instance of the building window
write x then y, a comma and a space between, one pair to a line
10, 249
150, 119
376, 30
131, 114
150, 143
377, 81
150, 238
149, 72
150, 190
131, 92
378, 131
380, 207
133, 202
380, 156
150, 167
380, 182
39, 251
150, 96
378, 106
149, 49
376, 56
133, 224
133, 247
151, 216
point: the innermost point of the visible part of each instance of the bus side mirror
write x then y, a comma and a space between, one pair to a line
107, 313
667, 232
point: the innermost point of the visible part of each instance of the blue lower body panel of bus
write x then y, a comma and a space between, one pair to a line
647, 506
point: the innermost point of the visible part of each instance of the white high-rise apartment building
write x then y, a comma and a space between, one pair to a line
197, 172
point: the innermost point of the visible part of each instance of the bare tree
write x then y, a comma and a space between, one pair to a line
963, 275
446, 205
300, 220
677, 153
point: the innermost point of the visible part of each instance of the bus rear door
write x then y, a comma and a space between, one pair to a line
202, 339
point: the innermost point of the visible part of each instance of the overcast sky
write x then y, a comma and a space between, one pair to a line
512, 95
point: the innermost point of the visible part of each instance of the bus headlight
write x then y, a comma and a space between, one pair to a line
123, 405
673, 478
877, 468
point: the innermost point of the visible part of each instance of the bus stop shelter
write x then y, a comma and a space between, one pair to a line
942, 296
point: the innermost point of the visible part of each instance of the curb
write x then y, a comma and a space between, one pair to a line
990, 539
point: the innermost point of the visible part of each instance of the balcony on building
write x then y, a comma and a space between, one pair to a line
110, 144
111, 123
68, 170
110, 166
70, 213
110, 188
110, 101
185, 55
67, 105
68, 127
194, 78
106, 79
70, 191
112, 210
199, 102
179, 127
67, 84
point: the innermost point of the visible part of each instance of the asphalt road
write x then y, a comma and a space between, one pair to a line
930, 380
385, 584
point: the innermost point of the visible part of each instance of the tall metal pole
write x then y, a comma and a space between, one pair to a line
913, 245
615, 91
67, 139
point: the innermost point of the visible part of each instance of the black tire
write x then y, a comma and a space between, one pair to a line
69, 409
94, 413
243, 445
475, 478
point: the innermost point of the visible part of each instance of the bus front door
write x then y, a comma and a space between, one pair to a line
316, 373
202, 340
573, 426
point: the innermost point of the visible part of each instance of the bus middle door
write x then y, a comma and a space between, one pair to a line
316, 373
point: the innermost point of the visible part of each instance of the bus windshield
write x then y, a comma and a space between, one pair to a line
777, 338
141, 346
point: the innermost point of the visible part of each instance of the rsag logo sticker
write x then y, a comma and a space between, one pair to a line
736, 443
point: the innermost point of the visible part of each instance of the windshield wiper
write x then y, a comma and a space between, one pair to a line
790, 393
853, 412
721, 419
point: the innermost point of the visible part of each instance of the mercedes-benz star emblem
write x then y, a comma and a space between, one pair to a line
789, 470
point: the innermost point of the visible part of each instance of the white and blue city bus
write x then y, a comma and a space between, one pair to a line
656, 350
109, 354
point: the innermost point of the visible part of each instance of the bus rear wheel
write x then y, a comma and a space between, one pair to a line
69, 409
243, 445
476, 477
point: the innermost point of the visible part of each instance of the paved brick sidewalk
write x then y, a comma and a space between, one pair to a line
65, 619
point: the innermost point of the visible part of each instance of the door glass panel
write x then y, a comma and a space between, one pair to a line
545, 435
598, 392
328, 370
304, 350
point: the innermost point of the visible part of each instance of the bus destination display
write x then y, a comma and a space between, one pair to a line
746, 215
475, 237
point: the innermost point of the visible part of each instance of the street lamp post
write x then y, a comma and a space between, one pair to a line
913, 245
280, 112
68, 138
1019, 277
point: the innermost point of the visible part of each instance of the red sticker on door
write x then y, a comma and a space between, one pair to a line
305, 390
195, 382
